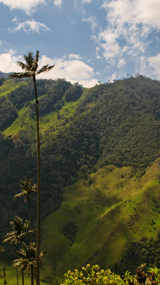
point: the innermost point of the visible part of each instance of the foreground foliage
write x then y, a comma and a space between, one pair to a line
94, 275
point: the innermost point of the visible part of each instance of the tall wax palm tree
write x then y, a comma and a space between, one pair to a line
27, 189
30, 69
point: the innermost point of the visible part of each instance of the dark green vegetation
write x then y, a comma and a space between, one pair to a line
99, 173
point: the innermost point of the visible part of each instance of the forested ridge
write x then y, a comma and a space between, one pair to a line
82, 130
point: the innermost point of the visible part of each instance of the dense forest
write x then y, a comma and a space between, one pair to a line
82, 130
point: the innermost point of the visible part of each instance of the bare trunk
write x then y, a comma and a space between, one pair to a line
30, 216
38, 187
32, 275
17, 275
4, 273
30, 219
22, 276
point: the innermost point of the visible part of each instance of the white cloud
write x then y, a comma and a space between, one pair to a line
74, 56
121, 63
125, 31
154, 63
93, 21
134, 11
14, 19
109, 44
113, 77
86, 1
70, 68
26, 5
147, 12
57, 2
30, 26
126, 35
73, 70
8, 62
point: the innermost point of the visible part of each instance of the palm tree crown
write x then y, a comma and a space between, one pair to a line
31, 66
20, 230
27, 259
27, 189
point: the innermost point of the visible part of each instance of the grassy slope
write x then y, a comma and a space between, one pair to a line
110, 209
10, 85
25, 122
11, 276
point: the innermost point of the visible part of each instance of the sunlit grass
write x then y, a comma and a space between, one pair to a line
56, 121
111, 208
11, 276
23, 122
10, 85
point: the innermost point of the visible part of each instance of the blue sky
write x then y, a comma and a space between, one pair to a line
87, 40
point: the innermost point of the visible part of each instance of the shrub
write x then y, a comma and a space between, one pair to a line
92, 275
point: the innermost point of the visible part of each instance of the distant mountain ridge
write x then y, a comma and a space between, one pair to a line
4, 75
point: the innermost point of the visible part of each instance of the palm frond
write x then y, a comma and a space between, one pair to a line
19, 195
11, 239
45, 68
20, 230
37, 55
29, 60
27, 189
21, 64
21, 74
36, 60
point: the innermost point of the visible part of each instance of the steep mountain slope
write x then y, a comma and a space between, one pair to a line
101, 218
111, 130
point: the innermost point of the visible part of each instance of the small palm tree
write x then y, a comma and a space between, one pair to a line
20, 230
30, 69
27, 259
20, 262
27, 189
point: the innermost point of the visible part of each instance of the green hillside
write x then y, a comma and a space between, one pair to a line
99, 169
101, 217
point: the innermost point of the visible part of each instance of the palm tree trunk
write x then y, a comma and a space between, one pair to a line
17, 275
32, 275
4, 273
38, 186
30, 218
22, 276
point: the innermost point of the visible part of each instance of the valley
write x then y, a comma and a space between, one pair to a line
99, 171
